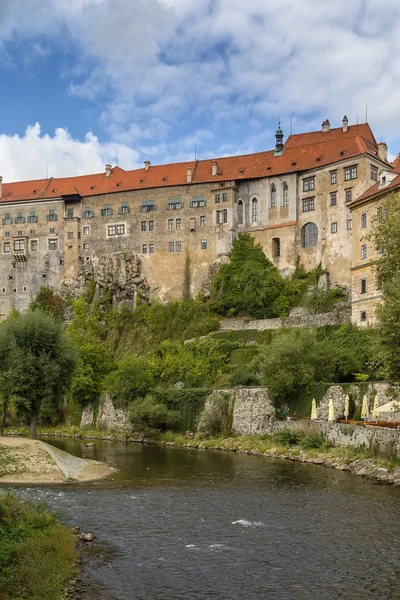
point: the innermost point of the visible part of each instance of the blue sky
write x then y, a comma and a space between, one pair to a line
84, 79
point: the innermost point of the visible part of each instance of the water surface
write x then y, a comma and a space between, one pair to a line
199, 525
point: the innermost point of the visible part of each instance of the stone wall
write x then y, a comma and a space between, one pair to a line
298, 317
108, 416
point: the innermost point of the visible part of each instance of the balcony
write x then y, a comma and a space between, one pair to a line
32, 219
51, 217
19, 220
87, 214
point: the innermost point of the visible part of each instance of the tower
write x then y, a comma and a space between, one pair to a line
279, 141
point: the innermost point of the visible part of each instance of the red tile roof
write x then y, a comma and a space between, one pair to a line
376, 189
302, 152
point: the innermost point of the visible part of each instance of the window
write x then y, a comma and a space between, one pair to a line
144, 248
52, 215
379, 212
285, 197
374, 173
19, 218
363, 251
88, 213
333, 227
70, 235
254, 210
148, 206
151, 225
86, 245
6, 247
7, 220
32, 218
333, 199
123, 209
349, 224
143, 226
308, 184
192, 224
276, 247
333, 177
20, 232
348, 195
350, 173
178, 246
170, 223
308, 204
106, 211
171, 247
7, 233
86, 230
240, 212
363, 315
224, 216
273, 197
363, 286
174, 204
363, 220
116, 230
198, 201
32, 232
309, 235
203, 244
53, 244
19, 245
44, 275
217, 198
178, 223
383, 179
70, 213
202, 221
34, 245
151, 248
224, 196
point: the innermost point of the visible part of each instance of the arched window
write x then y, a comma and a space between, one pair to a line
225, 216
273, 197
285, 197
240, 212
309, 235
254, 210
276, 247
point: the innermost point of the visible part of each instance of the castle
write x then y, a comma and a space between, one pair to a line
180, 219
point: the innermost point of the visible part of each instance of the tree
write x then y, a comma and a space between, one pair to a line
386, 237
132, 380
36, 365
49, 302
148, 414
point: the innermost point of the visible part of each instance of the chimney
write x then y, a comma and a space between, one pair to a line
345, 122
214, 167
1, 187
189, 176
326, 125
108, 170
382, 151
147, 164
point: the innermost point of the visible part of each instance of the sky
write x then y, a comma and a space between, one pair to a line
90, 82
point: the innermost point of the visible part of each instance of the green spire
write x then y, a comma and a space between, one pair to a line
279, 140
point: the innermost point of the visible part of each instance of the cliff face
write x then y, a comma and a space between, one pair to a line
119, 275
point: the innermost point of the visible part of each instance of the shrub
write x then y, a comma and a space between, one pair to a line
287, 437
313, 440
214, 420
147, 415
132, 379
243, 378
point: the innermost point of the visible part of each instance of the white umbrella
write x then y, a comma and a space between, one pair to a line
375, 412
331, 416
365, 408
346, 406
313, 410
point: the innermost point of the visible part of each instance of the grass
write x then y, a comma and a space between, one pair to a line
8, 462
37, 552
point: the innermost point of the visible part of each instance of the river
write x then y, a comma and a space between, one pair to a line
200, 525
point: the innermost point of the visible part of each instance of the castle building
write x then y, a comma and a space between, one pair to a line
365, 292
181, 219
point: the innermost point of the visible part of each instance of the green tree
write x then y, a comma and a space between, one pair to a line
37, 363
386, 237
131, 380
148, 414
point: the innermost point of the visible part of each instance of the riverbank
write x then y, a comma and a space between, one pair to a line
288, 445
38, 553
32, 461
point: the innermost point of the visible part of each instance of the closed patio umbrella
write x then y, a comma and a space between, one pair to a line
331, 416
364, 408
346, 406
313, 410
375, 412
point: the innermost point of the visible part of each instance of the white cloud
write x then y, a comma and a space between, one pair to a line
25, 157
168, 67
